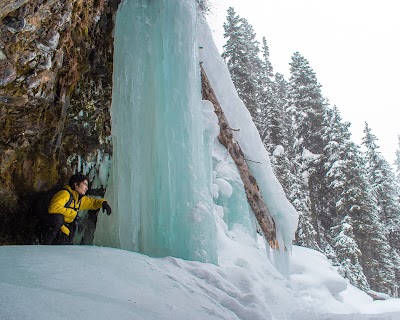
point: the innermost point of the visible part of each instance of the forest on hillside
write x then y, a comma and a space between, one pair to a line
347, 196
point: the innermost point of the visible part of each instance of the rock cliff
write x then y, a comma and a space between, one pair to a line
56, 60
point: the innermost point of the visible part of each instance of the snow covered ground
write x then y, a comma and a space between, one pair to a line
86, 282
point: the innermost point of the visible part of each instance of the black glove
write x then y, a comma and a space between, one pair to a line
106, 207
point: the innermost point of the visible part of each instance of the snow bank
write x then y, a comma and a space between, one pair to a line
83, 282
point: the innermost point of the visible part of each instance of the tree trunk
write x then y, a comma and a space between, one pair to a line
253, 193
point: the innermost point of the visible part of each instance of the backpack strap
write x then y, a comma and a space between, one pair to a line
71, 198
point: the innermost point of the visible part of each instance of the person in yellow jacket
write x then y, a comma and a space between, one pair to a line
64, 207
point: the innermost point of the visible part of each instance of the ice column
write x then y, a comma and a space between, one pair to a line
161, 170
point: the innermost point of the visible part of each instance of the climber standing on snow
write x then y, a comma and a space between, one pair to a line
58, 224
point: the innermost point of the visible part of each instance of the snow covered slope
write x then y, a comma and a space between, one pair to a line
82, 282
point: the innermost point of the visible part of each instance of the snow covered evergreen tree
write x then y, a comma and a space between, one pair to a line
377, 261
276, 120
268, 70
342, 172
254, 79
347, 253
336, 163
286, 160
385, 190
383, 181
273, 121
306, 107
306, 102
368, 229
241, 55
267, 99
306, 234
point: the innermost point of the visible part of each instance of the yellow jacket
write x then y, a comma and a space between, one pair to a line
61, 198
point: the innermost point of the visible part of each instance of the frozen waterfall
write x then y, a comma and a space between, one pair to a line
173, 187
162, 167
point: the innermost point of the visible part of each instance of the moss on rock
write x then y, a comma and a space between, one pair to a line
55, 97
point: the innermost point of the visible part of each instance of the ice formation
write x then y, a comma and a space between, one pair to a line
172, 183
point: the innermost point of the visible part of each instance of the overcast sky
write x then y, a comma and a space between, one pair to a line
352, 45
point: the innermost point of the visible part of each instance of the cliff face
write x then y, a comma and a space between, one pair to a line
56, 60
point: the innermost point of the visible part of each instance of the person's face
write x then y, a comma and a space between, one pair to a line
82, 187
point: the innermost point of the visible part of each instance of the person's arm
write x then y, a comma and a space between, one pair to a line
89, 203
57, 204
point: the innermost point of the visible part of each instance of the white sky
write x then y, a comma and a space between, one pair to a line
352, 45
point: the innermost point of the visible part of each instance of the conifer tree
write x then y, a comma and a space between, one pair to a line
385, 190
369, 231
336, 138
382, 180
351, 195
306, 235
376, 260
306, 102
241, 57
286, 159
276, 121
268, 70
291, 174
271, 112
284, 133
347, 253
306, 107
344, 198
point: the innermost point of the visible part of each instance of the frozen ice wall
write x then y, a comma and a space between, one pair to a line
161, 170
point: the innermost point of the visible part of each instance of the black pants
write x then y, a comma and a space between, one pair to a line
50, 230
